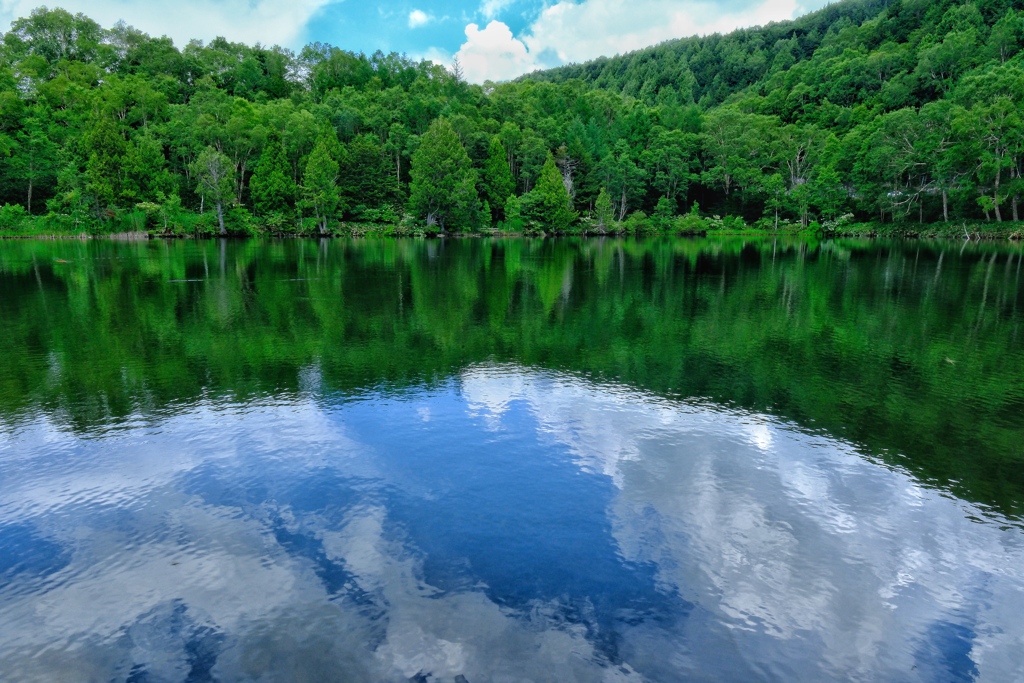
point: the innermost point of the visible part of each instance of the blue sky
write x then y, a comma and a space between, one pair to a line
494, 39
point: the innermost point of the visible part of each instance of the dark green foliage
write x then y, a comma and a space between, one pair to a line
366, 178
498, 183
443, 189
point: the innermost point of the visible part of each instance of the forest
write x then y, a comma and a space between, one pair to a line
866, 116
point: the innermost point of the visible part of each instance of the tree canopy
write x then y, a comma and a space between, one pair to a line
899, 112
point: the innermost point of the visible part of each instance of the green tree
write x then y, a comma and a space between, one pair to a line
34, 160
365, 179
670, 162
623, 178
604, 214
215, 175
320, 181
548, 206
106, 149
271, 186
443, 189
829, 192
497, 177
773, 187
664, 212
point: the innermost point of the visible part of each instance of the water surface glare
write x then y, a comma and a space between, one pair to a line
511, 461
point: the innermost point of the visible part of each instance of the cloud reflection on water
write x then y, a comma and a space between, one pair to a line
276, 542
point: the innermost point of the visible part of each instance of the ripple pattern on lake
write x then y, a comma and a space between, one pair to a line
573, 531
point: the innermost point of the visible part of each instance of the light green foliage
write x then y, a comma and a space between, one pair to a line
663, 214
829, 193
604, 214
548, 208
623, 178
513, 214
33, 162
320, 181
215, 175
12, 216
271, 186
443, 189
672, 159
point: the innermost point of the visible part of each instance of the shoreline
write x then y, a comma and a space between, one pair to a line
987, 235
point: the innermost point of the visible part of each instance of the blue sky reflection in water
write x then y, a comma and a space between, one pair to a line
505, 524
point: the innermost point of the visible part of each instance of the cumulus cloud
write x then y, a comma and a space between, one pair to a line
573, 32
269, 22
493, 53
418, 18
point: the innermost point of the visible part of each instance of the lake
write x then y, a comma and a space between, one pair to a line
496, 460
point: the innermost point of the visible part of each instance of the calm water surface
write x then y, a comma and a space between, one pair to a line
603, 460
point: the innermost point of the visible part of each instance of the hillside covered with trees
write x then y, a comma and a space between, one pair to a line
897, 113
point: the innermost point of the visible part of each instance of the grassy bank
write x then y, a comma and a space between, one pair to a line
243, 224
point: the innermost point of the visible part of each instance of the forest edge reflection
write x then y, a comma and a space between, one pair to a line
911, 350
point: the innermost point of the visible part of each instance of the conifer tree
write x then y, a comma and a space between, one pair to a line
548, 205
498, 182
443, 189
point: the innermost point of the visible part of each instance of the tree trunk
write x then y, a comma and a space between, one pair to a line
1013, 205
995, 197
30, 195
220, 218
945, 205
622, 207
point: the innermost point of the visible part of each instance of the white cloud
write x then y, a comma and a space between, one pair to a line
270, 22
574, 32
437, 56
493, 54
418, 18
491, 8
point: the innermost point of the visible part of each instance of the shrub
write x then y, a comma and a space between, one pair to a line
637, 223
691, 224
12, 217
384, 214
